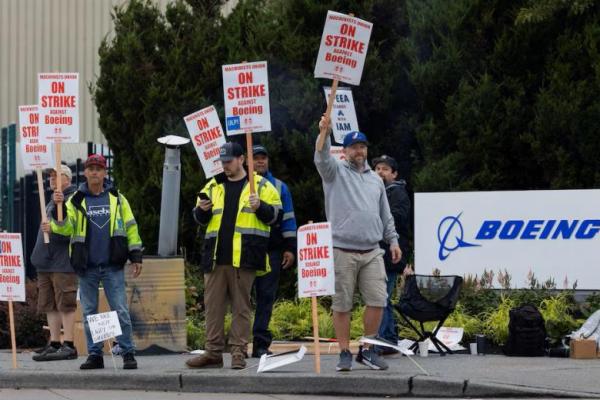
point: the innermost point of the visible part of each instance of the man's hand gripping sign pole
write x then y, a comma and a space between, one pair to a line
341, 56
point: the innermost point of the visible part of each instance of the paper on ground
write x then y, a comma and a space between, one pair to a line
199, 351
269, 362
402, 349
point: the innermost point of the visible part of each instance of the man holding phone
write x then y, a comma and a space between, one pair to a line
238, 225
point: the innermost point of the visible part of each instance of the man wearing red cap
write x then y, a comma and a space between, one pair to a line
104, 235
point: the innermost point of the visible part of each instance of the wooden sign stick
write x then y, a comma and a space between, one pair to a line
42, 196
59, 178
324, 131
13, 339
250, 161
317, 345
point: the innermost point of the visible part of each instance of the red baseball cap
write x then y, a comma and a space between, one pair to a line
95, 159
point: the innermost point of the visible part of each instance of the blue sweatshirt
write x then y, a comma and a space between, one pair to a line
283, 234
98, 228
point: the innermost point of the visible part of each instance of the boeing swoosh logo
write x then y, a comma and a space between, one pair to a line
450, 235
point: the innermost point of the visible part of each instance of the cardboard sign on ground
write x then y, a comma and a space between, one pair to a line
207, 136
12, 268
343, 48
104, 326
270, 362
343, 114
246, 92
35, 153
58, 102
316, 276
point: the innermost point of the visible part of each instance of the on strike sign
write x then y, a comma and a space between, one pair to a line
343, 115
316, 276
207, 136
246, 90
12, 269
58, 101
343, 48
35, 153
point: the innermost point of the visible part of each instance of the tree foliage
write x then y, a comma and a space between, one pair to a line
466, 94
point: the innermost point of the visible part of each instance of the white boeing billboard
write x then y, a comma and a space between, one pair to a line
552, 233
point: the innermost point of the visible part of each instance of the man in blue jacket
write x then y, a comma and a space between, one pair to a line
282, 250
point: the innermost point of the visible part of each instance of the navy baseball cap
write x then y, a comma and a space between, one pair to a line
230, 150
390, 161
355, 137
260, 149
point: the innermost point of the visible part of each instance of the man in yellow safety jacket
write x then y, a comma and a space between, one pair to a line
234, 250
103, 235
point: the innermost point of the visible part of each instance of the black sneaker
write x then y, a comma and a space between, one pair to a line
64, 353
42, 356
345, 363
129, 361
43, 349
258, 352
371, 359
93, 362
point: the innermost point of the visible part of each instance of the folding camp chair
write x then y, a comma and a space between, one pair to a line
429, 298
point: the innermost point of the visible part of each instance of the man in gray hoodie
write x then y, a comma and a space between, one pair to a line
356, 205
57, 281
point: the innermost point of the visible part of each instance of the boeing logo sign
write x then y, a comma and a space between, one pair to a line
450, 232
554, 234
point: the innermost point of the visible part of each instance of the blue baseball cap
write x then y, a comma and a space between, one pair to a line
355, 137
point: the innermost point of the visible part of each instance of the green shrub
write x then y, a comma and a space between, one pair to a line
292, 320
196, 333
557, 311
460, 319
495, 323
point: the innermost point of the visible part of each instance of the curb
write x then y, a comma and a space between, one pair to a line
302, 384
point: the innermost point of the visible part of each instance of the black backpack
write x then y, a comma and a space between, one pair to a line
526, 332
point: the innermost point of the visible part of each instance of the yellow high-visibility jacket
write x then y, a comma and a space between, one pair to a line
251, 235
125, 241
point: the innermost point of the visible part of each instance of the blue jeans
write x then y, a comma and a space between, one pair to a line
113, 281
266, 293
388, 329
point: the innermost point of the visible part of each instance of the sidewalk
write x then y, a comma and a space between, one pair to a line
451, 376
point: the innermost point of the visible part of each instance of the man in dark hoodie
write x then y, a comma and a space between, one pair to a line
103, 235
57, 281
387, 168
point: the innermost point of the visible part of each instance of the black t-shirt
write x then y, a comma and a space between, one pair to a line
233, 190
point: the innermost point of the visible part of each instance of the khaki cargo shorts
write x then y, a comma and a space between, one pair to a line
366, 269
57, 291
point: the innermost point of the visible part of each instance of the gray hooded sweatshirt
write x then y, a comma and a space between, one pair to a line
355, 203
53, 257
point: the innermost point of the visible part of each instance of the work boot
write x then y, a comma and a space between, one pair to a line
206, 360
238, 361
93, 362
129, 361
63, 353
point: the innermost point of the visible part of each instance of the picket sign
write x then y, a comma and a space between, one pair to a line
247, 110
12, 280
207, 136
58, 102
105, 326
35, 153
341, 56
316, 276
343, 119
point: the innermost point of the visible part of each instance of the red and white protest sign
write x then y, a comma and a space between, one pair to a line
246, 91
316, 276
207, 136
58, 101
343, 48
343, 114
12, 268
35, 153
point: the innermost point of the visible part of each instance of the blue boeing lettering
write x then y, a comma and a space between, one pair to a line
538, 229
